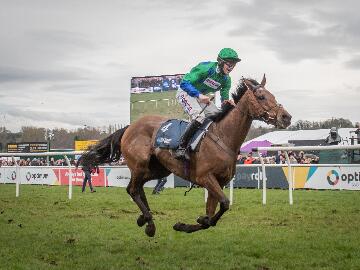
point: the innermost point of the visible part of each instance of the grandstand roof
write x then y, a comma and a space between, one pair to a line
284, 136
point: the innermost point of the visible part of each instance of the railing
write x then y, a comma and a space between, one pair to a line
43, 154
262, 165
286, 149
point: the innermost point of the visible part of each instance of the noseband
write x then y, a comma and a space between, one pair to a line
266, 115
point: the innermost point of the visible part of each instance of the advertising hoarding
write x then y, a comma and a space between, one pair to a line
313, 177
27, 147
83, 145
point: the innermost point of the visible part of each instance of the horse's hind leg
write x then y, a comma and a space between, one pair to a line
141, 219
135, 189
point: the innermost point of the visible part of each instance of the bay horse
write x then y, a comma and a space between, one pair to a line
211, 167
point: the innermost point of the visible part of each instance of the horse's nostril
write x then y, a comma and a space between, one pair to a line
286, 117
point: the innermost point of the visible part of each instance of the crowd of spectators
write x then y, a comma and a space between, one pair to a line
279, 158
42, 161
169, 82
35, 162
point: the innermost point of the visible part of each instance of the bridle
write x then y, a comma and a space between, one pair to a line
265, 116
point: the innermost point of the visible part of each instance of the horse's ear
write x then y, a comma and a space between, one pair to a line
248, 84
263, 81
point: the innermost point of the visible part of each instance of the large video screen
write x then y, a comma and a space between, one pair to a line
155, 95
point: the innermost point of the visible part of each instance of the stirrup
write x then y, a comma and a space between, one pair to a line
180, 153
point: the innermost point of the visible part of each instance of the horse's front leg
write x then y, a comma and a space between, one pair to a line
211, 204
216, 195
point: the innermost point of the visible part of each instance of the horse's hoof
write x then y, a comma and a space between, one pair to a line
212, 223
150, 230
179, 227
203, 220
141, 221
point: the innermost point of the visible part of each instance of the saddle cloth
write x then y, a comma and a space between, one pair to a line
169, 134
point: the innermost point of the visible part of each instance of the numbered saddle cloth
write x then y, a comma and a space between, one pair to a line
170, 132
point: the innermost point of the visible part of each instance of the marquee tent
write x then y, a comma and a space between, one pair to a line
283, 137
249, 146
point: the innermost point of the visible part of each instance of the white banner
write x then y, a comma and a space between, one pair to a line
334, 178
38, 176
314, 177
115, 176
120, 177
29, 175
8, 175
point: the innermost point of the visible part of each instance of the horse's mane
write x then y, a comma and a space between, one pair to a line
227, 107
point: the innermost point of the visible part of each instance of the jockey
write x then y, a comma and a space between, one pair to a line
206, 77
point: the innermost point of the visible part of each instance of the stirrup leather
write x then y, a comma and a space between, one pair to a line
181, 152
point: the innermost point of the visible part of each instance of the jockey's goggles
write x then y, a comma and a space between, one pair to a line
230, 64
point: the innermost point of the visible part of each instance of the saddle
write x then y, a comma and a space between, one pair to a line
169, 134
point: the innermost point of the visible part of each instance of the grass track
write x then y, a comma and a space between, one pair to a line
99, 231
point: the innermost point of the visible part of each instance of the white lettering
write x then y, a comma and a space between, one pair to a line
211, 83
165, 128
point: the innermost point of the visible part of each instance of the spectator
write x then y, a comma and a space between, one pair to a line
333, 138
300, 157
249, 159
256, 160
240, 159
357, 132
277, 157
315, 160
159, 186
88, 170
293, 159
271, 160
282, 159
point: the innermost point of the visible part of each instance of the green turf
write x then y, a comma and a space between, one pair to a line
42, 229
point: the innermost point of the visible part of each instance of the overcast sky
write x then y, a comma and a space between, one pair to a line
69, 63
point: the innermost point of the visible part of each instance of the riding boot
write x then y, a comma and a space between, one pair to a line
180, 153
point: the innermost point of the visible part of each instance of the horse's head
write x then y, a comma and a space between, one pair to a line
264, 106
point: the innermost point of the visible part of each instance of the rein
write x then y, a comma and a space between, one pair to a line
265, 116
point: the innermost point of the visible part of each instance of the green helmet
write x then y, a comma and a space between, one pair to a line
228, 54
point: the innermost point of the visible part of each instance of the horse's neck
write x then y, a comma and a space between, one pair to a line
236, 125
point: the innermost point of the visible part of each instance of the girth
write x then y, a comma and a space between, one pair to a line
220, 143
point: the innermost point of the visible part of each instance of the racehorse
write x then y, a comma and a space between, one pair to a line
212, 166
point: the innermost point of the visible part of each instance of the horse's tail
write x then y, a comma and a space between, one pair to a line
105, 151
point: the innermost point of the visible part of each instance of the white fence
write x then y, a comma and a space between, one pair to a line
121, 175
112, 176
44, 154
286, 149
117, 176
